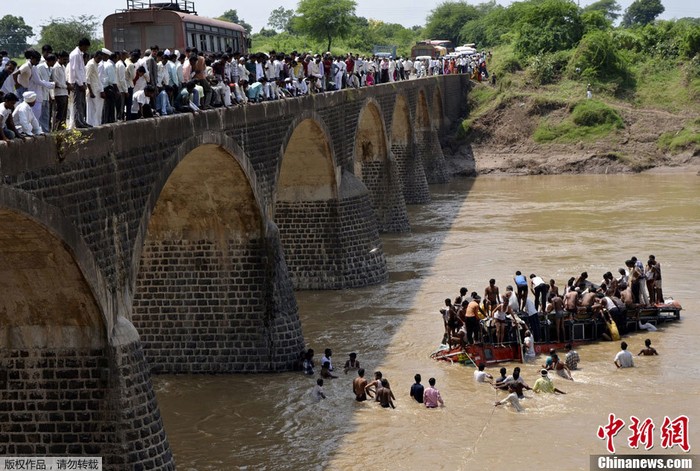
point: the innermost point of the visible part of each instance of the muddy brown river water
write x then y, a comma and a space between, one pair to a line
474, 229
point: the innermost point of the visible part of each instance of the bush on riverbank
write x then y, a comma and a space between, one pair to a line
687, 138
595, 113
589, 119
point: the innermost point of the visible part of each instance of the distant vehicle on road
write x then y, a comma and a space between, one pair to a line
433, 48
384, 51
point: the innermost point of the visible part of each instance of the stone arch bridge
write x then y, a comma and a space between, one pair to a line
174, 245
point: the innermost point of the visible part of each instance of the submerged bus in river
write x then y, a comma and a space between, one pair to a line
579, 331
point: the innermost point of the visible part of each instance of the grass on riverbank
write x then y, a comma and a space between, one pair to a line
666, 87
589, 119
686, 138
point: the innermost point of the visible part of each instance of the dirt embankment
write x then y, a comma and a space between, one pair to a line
500, 142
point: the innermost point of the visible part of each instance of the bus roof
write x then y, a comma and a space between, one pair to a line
202, 20
186, 17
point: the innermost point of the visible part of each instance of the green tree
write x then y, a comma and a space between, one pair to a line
642, 12
64, 33
267, 33
547, 26
598, 58
13, 35
492, 27
232, 17
280, 19
609, 8
325, 19
594, 20
447, 19
690, 43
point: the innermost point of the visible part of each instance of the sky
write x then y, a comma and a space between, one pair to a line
405, 12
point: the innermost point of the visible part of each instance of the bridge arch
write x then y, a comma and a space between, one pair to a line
308, 170
317, 206
409, 164
41, 220
374, 166
62, 345
204, 288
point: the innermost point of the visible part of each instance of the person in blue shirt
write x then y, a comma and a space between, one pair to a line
521, 285
254, 90
163, 106
417, 390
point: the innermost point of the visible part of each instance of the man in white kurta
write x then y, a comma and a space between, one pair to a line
23, 116
95, 90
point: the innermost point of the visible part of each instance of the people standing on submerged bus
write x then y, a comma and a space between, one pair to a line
539, 290
521, 285
491, 297
557, 306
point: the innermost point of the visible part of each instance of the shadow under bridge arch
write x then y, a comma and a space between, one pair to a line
327, 226
212, 294
375, 166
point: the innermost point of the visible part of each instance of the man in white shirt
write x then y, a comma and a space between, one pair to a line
24, 118
315, 73
173, 77
130, 76
140, 106
163, 76
624, 358
95, 90
539, 288
76, 75
122, 85
35, 83
480, 376
24, 73
109, 83
60, 92
43, 70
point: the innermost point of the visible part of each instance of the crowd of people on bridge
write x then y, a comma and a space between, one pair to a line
55, 90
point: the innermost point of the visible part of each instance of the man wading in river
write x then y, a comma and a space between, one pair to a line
358, 386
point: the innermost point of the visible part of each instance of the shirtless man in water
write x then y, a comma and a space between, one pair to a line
358, 386
376, 384
491, 296
561, 368
385, 396
648, 350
